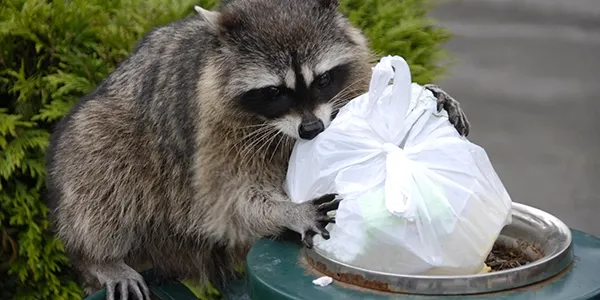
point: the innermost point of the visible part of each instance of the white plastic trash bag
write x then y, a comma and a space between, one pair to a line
418, 197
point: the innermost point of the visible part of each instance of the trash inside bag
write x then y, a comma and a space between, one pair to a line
418, 198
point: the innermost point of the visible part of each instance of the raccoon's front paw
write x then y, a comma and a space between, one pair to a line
120, 279
127, 285
456, 115
313, 218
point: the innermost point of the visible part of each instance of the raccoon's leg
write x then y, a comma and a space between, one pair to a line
118, 277
268, 214
456, 115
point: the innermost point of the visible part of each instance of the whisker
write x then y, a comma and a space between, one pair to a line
247, 136
355, 82
276, 148
255, 132
343, 99
288, 144
262, 143
259, 136
344, 96
351, 88
264, 146
255, 125
260, 139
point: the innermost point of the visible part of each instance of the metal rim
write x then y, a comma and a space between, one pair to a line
550, 265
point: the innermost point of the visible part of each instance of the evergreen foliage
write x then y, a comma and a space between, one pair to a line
53, 52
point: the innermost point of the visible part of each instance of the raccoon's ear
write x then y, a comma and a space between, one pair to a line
229, 22
331, 4
209, 16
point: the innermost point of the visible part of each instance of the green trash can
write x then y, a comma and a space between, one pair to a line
274, 273
567, 266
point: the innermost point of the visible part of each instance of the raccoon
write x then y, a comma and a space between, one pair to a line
177, 159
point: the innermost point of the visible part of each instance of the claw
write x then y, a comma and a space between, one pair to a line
307, 237
325, 220
124, 291
333, 205
307, 240
440, 106
110, 291
321, 230
145, 290
134, 287
324, 199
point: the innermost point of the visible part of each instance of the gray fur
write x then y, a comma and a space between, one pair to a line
158, 166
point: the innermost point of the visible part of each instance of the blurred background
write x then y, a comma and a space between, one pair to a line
527, 73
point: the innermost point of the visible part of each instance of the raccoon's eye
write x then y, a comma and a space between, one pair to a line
324, 80
273, 91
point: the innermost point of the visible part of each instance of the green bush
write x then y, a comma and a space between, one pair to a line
53, 52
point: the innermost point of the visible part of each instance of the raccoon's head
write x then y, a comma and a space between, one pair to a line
290, 63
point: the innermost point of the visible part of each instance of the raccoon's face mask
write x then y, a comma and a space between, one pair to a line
293, 63
304, 104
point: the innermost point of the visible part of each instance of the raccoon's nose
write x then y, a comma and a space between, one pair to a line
309, 131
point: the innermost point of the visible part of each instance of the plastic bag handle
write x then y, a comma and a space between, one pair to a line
389, 126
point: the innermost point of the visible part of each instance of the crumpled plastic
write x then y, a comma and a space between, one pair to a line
418, 197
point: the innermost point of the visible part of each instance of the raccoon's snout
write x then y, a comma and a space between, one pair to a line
305, 125
310, 130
